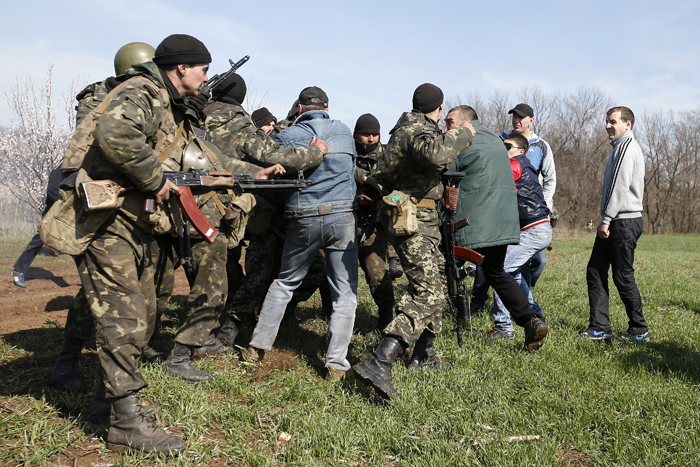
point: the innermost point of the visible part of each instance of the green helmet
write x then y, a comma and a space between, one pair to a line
131, 54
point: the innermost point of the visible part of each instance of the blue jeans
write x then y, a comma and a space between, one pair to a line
335, 234
532, 241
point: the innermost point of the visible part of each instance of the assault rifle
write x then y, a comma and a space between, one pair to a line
103, 194
458, 297
218, 79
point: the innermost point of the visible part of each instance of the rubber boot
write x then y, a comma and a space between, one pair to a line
179, 364
395, 270
228, 332
212, 346
424, 354
130, 430
375, 370
64, 374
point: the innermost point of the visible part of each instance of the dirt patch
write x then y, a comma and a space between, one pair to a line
49, 293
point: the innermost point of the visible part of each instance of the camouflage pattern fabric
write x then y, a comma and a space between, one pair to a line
372, 255
90, 97
79, 323
416, 155
117, 273
230, 128
421, 306
279, 126
117, 277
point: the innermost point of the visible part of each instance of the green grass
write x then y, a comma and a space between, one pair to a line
590, 403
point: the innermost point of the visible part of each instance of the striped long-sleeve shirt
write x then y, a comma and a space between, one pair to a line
623, 184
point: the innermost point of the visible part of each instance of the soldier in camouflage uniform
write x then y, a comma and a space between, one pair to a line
146, 116
79, 322
232, 129
413, 161
373, 242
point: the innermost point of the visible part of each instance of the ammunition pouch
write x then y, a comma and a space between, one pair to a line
236, 218
401, 212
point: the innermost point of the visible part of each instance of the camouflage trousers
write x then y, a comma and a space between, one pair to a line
373, 256
421, 306
263, 260
79, 323
208, 285
117, 277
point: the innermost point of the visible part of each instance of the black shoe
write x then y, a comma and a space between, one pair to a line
100, 408
179, 364
424, 354
375, 370
212, 346
228, 332
149, 354
65, 374
131, 431
535, 332
395, 270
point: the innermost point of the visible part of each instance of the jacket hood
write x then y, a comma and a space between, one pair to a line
146, 68
409, 118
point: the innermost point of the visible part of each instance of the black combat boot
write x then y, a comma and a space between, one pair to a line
149, 354
101, 408
535, 332
179, 364
375, 370
130, 430
395, 270
212, 346
424, 354
228, 332
65, 373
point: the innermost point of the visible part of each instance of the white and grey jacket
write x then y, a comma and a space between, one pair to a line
623, 184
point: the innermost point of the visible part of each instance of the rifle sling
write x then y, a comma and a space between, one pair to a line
217, 201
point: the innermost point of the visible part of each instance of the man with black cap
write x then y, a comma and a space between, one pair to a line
416, 155
374, 246
320, 217
140, 123
264, 119
233, 130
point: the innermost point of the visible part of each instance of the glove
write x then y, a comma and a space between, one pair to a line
198, 102
372, 183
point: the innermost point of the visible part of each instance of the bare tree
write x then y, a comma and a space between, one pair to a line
34, 142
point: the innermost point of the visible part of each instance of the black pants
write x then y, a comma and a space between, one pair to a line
25, 259
617, 251
504, 284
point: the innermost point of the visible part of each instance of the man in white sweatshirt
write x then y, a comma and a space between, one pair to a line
618, 232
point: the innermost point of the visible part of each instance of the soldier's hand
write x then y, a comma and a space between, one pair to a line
364, 199
164, 193
469, 125
321, 145
603, 230
264, 174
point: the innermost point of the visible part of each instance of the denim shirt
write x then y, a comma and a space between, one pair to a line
333, 184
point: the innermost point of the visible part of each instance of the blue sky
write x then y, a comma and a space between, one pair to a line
369, 56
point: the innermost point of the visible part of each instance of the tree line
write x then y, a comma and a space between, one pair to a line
571, 122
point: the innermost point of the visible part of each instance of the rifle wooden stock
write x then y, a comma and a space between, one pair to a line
191, 210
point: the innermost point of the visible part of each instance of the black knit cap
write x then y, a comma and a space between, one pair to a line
523, 110
262, 117
313, 96
367, 124
427, 97
232, 87
181, 49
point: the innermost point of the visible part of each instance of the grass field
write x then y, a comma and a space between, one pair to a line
588, 403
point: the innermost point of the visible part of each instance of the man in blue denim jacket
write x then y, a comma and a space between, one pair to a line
320, 217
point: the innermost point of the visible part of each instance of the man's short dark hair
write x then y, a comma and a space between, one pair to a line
625, 113
466, 113
519, 140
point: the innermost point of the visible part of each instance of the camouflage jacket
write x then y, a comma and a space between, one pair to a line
281, 125
231, 128
417, 153
366, 164
90, 97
